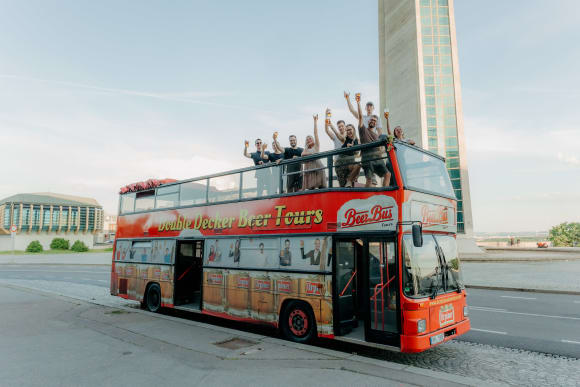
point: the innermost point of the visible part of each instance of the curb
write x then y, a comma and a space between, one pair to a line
434, 378
510, 289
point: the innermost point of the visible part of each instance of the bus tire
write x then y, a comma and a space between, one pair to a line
297, 322
153, 298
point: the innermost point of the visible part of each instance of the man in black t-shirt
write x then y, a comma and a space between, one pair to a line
260, 157
294, 177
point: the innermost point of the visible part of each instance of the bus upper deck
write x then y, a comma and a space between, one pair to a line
412, 169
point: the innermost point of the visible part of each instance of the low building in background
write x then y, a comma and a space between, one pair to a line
45, 216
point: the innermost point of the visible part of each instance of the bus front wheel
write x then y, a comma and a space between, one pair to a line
298, 323
153, 298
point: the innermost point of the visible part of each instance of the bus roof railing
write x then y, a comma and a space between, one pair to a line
302, 159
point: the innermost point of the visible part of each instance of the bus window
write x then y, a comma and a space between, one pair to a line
193, 192
449, 246
222, 252
144, 200
127, 203
167, 197
421, 267
261, 253
223, 188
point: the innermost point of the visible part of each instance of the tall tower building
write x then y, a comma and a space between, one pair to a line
419, 83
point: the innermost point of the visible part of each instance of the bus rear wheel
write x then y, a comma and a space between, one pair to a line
153, 298
297, 322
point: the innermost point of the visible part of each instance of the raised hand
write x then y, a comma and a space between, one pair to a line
246, 143
275, 135
346, 95
264, 146
315, 116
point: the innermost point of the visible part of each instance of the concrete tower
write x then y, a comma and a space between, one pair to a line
419, 83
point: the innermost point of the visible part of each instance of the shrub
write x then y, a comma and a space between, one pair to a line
565, 234
79, 247
59, 244
34, 247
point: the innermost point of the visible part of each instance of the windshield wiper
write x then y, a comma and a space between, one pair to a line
446, 267
436, 290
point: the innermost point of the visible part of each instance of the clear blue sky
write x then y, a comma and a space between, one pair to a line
94, 95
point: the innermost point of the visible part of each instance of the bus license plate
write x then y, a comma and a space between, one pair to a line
437, 338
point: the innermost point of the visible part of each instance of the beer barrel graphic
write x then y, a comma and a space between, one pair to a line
213, 291
262, 298
238, 293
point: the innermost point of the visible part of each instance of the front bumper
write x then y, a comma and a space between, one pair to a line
421, 343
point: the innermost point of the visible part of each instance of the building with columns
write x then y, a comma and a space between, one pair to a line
420, 85
45, 216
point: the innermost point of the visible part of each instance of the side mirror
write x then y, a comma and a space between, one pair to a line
417, 235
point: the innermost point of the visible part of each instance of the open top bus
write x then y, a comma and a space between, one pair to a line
376, 266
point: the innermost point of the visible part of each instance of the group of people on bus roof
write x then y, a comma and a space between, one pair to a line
311, 174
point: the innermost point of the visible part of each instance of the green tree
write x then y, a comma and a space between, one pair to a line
59, 244
79, 247
34, 247
565, 234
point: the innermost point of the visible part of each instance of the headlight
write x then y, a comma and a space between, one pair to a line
421, 326
465, 311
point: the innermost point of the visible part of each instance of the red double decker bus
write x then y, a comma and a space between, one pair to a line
364, 265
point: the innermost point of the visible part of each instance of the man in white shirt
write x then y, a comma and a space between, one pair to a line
369, 107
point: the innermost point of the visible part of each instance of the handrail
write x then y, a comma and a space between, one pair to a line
375, 299
348, 283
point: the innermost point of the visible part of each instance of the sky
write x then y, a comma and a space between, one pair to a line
96, 95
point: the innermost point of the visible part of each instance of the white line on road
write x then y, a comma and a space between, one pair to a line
520, 298
577, 302
487, 309
521, 313
488, 331
570, 341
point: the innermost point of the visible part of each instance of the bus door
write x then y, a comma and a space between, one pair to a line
381, 289
348, 258
188, 274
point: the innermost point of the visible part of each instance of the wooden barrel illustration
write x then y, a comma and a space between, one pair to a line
238, 293
262, 297
213, 291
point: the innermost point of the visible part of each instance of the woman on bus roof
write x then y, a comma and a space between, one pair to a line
314, 175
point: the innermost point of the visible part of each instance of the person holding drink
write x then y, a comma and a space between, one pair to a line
369, 107
294, 178
314, 175
372, 158
262, 175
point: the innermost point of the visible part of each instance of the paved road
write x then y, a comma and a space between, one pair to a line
538, 322
76, 274
541, 322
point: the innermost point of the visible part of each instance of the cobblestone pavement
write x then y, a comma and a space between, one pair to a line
495, 365
555, 275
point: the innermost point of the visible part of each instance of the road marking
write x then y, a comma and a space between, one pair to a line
570, 341
577, 302
521, 313
487, 309
520, 298
488, 331
103, 280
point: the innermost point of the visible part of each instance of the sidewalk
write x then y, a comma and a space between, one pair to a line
520, 254
91, 345
551, 276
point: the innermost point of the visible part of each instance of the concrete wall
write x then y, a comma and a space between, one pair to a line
399, 72
23, 239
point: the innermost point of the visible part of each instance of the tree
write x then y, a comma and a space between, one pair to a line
565, 234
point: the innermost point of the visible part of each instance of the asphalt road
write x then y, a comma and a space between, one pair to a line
540, 322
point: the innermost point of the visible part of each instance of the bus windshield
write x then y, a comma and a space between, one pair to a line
423, 273
423, 171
